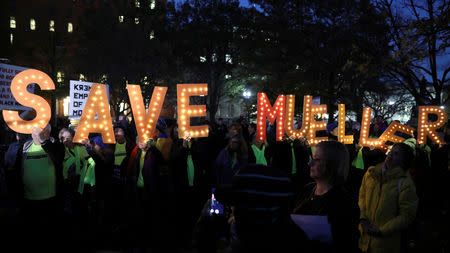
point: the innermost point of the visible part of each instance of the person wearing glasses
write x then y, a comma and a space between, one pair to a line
326, 196
74, 158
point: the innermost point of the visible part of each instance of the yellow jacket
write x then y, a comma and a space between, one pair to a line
389, 201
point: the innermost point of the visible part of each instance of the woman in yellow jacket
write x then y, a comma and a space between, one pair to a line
388, 202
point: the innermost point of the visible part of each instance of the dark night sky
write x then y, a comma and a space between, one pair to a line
443, 59
243, 2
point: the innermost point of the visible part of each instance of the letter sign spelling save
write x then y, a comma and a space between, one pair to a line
96, 104
146, 121
186, 111
19, 90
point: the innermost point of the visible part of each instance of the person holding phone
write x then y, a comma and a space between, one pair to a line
141, 175
189, 169
260, 198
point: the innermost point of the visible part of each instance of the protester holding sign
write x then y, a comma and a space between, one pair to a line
141, 177
74, 159
189, 167
42, 181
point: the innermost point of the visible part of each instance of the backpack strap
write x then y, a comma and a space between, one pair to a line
399, 185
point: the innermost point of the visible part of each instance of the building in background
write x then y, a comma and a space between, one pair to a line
56, 36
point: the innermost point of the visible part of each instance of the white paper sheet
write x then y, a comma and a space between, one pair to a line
316, 227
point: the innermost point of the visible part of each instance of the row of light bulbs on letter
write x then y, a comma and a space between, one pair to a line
146, 120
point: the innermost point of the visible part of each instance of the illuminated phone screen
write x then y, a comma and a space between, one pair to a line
216, 207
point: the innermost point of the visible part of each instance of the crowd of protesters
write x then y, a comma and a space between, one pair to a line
158, 194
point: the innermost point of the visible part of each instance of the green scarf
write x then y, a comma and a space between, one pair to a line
234, 160
87, 175
294, 162
359, 161
259, 154
428, 149
190, 166
74, 158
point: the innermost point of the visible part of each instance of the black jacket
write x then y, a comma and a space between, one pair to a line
343, 215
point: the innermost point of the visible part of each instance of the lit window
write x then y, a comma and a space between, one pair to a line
138, 3
228, 77
69, 27
202, 58
82, 77
32, 24
52, 26
11, 38
152, 4
228, 59
59, 77
152, 35
121, 19
12, 22
104, 78
136, 20
66, 102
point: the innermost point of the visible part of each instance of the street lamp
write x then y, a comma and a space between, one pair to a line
247, 94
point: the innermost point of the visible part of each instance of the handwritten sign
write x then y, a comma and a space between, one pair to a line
79, 92
7, 100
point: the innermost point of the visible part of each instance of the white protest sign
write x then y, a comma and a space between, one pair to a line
79, 92
7, 101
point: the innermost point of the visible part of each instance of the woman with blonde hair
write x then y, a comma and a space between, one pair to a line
326, 196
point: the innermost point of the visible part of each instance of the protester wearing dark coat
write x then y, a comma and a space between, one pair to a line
326, 197
42, 178
297, 168
190, 186
261, 198
229, 161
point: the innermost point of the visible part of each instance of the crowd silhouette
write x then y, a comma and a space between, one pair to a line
228, 192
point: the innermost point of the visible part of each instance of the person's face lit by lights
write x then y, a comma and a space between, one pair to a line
317, 164
120, 135
67, 139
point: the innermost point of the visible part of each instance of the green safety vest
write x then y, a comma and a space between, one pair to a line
39, 178
140, 181
259, 154
87, 175
120, 153
190, 167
